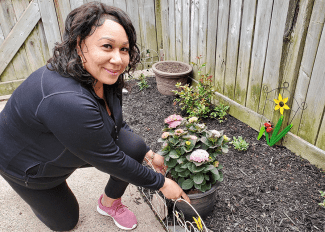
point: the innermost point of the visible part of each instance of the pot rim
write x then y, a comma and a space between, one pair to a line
200, 195
155, 70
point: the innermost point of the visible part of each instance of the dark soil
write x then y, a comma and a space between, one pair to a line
171, 67
264, 188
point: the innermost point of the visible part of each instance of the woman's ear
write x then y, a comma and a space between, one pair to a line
78, 47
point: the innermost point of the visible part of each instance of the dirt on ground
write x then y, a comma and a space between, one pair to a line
264, 188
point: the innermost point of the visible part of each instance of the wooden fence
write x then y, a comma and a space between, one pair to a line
248, 45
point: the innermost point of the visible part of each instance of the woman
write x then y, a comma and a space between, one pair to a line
68, 115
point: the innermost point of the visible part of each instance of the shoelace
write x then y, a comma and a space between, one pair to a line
120, 208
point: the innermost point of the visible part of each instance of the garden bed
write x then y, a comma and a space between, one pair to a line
264, 188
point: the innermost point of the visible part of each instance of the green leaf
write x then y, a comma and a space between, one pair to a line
197, 169
173, 154
198, 186
178, 168
171, 163
209, 167
198, 178
224, 148
187, 184
215, 174
260, 134
184, 173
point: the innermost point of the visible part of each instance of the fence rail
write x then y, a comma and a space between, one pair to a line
247, 44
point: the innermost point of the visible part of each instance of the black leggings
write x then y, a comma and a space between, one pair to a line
58, 208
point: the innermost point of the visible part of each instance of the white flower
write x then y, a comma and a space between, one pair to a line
199, 155
193, 119
215, 133
201, 126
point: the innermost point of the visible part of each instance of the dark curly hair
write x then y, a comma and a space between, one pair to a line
80, 23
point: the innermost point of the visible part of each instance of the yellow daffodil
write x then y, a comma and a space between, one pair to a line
198, 223
281, 104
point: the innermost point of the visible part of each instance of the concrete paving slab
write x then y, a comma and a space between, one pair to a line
87, 184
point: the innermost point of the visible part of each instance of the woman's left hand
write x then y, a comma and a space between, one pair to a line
157, 162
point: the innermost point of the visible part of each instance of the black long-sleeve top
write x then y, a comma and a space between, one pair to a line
54, 125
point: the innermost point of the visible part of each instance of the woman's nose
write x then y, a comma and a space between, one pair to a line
116, 57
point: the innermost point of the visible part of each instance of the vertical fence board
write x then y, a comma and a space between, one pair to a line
108, 2
232, 48
321, 136
179, 31
271, 78
244, 56
43, 41
62, 10
20, 60
312, 116
150, 22
194, 31
261, 34
292, 55
312, 41
50, 23
75, 4
212, 36
186, 30
171, 30
120, 4
202, 37
158, 26
33, 44
133, 12
221, 52
165, 26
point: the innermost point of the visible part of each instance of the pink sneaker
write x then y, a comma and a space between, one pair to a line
122, 216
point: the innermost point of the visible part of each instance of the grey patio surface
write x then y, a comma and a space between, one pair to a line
87, 184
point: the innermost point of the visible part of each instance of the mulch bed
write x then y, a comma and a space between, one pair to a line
264, 188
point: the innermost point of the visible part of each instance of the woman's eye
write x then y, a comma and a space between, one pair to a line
107, 46
125, 49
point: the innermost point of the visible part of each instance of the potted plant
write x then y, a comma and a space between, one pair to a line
168, 73
191, 154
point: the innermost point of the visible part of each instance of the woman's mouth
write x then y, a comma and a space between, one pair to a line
112, 72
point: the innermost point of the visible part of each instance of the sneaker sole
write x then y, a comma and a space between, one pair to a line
102, 212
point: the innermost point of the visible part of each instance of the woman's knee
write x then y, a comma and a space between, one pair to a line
132, 145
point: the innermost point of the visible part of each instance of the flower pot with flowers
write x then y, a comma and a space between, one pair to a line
191, 154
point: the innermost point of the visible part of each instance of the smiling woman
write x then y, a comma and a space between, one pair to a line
68, 115
105, 54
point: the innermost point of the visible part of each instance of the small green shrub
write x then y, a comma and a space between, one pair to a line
220, 112
143, 84
197, 100
240, 144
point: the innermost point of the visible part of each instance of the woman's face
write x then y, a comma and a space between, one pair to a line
106, 52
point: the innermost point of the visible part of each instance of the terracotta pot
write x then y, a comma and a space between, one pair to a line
166, 81
203, 203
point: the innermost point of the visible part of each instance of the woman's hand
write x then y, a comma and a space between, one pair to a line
172, 190
156, 161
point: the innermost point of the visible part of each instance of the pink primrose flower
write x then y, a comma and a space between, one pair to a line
178, 132
165, 135
193, 137
199, 155
173, 120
